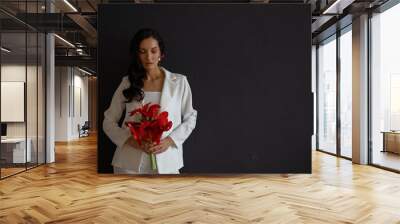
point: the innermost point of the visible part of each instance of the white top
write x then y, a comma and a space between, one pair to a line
145, 165
153, 97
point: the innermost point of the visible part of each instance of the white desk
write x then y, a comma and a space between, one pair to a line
17, 146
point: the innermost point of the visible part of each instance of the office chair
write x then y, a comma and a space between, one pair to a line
84, 130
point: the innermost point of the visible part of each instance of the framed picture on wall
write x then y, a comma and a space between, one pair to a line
12, 101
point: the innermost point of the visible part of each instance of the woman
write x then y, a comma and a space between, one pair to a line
148, 82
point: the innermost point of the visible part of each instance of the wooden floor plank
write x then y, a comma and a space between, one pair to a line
71, 191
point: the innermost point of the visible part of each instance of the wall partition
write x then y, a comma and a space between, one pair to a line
385, 88
275, 135
22, 79
334, 94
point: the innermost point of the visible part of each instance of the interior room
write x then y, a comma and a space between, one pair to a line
66, 126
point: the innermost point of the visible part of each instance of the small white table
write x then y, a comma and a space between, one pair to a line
17, 146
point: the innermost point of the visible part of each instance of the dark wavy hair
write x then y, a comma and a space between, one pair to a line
136, 71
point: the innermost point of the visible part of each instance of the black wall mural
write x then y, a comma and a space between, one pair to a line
249, 68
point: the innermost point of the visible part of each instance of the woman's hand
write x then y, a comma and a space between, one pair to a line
162, 147
144, 147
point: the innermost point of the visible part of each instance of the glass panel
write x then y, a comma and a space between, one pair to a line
31, 101
327, 96
31, 84
385, 87
41, 98
346, 94
23, 87
13, 86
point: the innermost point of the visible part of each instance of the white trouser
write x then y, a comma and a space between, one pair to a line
118, 170
144, 168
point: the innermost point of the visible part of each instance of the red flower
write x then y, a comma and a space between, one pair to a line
151, 125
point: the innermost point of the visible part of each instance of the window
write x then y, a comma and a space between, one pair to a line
385, 87
327, 95
346, 93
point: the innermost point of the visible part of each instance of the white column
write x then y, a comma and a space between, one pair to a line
50, 93
360, 90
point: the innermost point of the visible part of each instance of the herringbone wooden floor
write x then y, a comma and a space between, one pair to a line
70, 191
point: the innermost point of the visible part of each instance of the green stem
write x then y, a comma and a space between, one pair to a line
153, 161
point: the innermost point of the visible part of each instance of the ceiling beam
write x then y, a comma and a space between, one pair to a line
84, 24
83, 61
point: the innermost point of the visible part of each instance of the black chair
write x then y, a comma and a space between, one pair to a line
84, 130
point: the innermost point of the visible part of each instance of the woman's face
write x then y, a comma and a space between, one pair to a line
149, 53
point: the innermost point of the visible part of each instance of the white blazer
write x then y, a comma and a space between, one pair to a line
176, 98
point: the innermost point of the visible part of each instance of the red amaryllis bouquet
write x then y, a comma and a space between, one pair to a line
148, 125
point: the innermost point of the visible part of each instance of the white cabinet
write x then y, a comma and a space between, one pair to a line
16, 147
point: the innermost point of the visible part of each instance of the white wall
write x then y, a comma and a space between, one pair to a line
71, 94
14, 72
61, 103
80, 112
